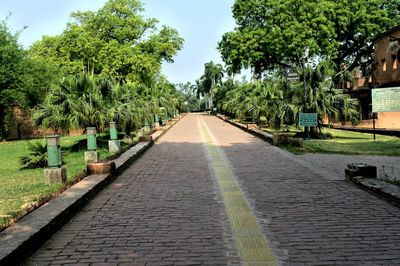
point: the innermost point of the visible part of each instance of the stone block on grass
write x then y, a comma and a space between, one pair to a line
92, 157
114, 146
360, 169
55, 175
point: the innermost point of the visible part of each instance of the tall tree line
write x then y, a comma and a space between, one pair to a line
100, 59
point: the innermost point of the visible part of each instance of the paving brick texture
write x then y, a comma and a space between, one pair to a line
166, 209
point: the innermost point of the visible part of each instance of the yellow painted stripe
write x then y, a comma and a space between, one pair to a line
250, 240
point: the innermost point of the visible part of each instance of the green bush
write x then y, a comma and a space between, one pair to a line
37, 157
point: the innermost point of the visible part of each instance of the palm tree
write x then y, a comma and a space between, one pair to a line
325, 98
73, 102
213, 74
197, 88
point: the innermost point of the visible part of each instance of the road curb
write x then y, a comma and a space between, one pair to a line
379, 188
256, 132
20, 240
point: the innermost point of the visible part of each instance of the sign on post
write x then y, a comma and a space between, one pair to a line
308, 119
386, 100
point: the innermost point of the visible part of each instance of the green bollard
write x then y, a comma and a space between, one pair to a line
55, 173
53, 151
113, 131
91, 138
114, 145
91, 155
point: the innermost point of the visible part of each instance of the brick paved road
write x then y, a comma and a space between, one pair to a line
310, 220
166, 209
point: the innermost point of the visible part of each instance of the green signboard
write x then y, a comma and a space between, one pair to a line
308, 119
386, 100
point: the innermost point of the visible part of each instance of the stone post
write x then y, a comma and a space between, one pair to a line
91, 155
113, 144
55, 173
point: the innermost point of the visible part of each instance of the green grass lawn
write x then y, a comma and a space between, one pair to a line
20, 190
347, 142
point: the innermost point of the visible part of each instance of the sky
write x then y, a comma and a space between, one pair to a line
200, 22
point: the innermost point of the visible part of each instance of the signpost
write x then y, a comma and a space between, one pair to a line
308, 120
292, 76
386, 100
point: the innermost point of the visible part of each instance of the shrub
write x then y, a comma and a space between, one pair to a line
37, 157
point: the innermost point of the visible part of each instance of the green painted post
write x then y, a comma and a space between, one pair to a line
91, 138
113, 131
146, 123
53, 151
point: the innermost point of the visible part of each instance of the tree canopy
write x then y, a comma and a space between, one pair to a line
115, 41
274, 33
23, 81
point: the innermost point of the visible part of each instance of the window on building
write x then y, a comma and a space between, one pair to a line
395, 62
383, 64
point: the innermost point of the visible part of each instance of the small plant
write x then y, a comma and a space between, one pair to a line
37, 157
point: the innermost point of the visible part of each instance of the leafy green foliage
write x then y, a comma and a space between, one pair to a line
280, 102
11, 68
191, 101
23, 81
115, 41
80, 101
37, 157
278, 33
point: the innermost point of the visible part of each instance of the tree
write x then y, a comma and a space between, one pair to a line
115, 41
213, 74
281, 102
12, 66
197, 87
279, 33
76, 101
190, 99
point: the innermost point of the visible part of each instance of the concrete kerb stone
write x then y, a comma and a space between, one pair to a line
256, 132
379, 188
20, 240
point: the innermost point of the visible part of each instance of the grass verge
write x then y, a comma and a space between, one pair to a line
348, 142
24, 190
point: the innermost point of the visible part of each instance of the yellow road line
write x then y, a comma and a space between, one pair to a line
250, 240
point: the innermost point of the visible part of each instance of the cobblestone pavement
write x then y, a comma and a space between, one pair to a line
163, 210
308, 219
332, 165
167, 209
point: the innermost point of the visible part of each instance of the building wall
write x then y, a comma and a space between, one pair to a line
390, 120
385, 73
387, 65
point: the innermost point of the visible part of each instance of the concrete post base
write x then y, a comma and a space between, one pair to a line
91, 157
145, 129
114, 146
55, 175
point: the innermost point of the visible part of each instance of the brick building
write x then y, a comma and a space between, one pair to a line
383, 73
